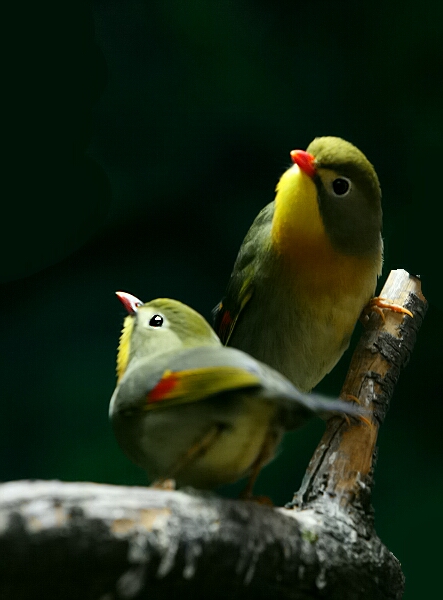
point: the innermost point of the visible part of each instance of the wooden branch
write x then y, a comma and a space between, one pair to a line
102, 542
342, 463
87, 541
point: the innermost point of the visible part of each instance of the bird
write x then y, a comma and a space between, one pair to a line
308, 265
188, 409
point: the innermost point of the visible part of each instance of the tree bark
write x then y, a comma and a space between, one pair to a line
103, 542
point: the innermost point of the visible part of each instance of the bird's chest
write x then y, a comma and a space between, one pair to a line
305, 323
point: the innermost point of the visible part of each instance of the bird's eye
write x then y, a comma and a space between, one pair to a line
156, 321
341, 186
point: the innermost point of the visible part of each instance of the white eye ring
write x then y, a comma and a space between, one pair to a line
341, 186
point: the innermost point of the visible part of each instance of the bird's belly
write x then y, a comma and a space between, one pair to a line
161, 439
303, 341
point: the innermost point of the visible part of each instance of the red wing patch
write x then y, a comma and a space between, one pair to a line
226, 321
193, 385
163, 387
225, 325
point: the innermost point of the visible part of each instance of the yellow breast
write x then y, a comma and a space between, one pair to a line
304, 248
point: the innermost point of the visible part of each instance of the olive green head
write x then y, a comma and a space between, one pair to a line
159, 326
349, 196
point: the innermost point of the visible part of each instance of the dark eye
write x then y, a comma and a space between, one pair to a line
341, 186
156, 321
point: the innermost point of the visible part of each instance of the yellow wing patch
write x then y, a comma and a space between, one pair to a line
197, 384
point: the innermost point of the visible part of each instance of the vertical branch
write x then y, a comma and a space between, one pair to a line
343, 461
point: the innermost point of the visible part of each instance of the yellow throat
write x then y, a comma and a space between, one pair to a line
297, 225
300, 238
124, 346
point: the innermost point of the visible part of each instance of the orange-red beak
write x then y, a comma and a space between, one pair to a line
305, 161
130, 302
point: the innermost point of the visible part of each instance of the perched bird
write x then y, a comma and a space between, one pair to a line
188, 408
308, 265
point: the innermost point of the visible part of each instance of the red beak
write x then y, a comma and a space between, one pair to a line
305, 161
130, 302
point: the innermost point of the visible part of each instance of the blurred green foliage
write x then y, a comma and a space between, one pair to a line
140, 164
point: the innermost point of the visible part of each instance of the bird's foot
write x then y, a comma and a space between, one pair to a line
352, 398
263, 500
377, 304
163, 484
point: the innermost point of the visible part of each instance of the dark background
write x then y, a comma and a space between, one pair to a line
141, 139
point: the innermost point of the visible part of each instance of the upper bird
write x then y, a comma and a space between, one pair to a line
308, 265
186, 407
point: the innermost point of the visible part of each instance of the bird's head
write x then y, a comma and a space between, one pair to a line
331, 193
159, 326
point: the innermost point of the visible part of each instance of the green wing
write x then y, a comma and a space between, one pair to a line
240, 289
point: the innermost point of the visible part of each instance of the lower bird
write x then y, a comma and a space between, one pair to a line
188, 408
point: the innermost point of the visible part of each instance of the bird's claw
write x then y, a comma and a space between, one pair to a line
352, 398
377, 304
163, 484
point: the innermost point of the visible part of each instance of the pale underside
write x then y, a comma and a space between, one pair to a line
243, 423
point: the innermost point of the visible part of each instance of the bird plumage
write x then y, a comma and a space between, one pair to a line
188, 408
308, 265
